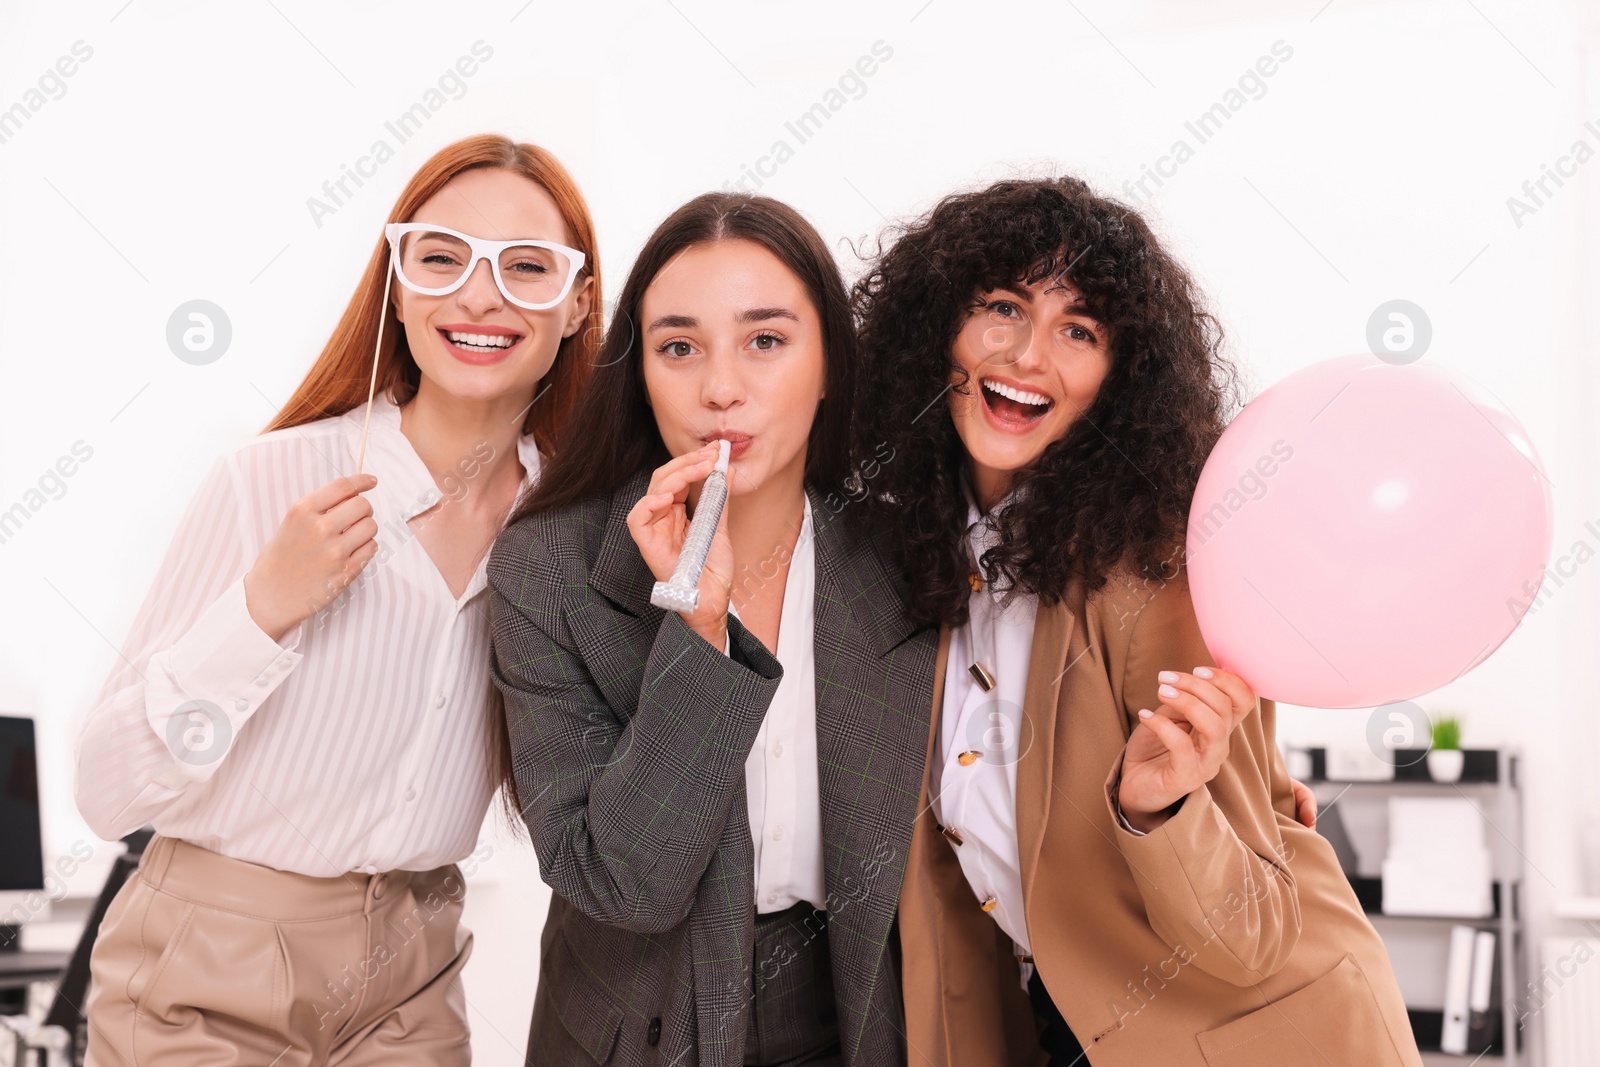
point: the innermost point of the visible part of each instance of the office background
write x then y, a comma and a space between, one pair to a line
1338, 155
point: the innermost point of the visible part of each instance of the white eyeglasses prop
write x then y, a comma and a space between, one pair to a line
435, 260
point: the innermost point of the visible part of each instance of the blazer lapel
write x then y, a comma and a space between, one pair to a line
1052, 639
872, 733
863, 576
620, 573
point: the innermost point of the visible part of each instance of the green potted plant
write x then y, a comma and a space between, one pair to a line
1445, 758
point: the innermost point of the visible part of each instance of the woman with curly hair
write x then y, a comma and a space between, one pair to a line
1107, 864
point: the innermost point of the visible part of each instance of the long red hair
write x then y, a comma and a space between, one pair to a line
338, 381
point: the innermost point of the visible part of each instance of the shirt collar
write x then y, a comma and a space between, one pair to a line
982, 533
405, 485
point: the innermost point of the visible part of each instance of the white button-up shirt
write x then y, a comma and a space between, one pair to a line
977, 800
358, 744
780, 774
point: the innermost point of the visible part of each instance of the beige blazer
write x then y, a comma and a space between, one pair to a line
1228, 937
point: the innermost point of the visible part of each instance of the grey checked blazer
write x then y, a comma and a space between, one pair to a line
629, 735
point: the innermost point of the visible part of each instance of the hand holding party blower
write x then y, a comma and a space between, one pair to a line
681, 592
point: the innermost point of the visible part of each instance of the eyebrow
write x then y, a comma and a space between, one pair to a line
1078, 308
762, 314
688, 322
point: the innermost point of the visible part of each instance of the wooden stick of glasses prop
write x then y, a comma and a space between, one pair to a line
372, 386
681, 592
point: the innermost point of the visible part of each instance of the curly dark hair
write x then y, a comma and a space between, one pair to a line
1115, 489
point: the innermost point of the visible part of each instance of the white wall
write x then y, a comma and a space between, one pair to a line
178, 162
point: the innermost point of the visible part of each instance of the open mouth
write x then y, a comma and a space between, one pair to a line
1012, 407
481, 342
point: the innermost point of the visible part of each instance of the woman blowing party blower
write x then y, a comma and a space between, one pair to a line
721, 799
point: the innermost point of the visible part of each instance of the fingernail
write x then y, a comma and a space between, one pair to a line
1167, 691
1202, 672
1145, 713
1167, 676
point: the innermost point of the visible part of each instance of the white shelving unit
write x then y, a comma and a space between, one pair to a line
1491, 780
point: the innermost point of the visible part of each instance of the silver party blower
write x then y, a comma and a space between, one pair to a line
681, 592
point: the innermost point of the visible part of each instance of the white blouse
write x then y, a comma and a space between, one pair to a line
780, 774
973, 775
361, 742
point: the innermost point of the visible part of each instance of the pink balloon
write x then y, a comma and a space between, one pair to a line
1365, 533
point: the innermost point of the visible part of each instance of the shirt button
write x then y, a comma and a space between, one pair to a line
988, 903
440, 702
981, 675
241, 704
772, 898
777, 835
370, 869
777, 750
968, 758
411, 794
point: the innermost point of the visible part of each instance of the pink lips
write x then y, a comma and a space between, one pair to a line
738, 443
469, 355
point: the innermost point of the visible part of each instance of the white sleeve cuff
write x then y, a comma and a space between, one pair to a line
1112, 789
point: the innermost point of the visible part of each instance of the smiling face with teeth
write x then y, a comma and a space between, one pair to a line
474, 344
1029, 359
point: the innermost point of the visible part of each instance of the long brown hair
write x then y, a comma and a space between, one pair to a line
613, 432
338, 381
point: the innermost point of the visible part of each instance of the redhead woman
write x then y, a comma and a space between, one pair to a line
722, 800
1108, 867
303, 708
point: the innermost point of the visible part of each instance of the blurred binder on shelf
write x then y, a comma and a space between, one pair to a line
1483, 1024
1458, 990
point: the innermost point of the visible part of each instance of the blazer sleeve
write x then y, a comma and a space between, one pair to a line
624, 811
1215, 876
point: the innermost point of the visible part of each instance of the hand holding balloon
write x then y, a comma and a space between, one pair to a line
1180, 746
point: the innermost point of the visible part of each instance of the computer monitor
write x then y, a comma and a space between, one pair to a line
22, 897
